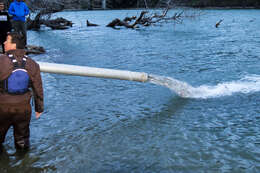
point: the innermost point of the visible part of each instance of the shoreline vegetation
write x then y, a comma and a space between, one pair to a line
138, 4
177, 7
153, 4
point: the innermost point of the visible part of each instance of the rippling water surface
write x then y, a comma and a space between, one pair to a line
104, 125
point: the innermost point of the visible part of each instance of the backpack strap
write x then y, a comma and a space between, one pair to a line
24, 62
14, 61
15, 65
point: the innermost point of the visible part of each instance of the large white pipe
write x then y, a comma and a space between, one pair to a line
92, 72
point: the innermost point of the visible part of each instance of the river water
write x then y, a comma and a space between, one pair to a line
206, 119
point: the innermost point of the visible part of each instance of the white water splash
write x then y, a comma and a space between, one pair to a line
245, 85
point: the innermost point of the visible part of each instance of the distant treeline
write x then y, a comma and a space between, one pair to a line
190, 3
119, 4
222, 3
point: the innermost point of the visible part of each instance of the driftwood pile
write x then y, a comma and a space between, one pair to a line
144, 19
58, 23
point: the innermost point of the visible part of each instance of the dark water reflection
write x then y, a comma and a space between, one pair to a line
103, 125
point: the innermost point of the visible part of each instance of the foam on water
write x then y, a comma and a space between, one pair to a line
247, 84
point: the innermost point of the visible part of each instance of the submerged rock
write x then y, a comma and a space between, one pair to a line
31, 49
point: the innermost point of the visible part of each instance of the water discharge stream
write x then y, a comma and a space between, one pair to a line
245, 85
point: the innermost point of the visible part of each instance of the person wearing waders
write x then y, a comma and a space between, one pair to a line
5, 24
20, 79
18, 10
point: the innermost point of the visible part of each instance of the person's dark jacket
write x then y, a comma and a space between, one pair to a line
5, 25
33, 69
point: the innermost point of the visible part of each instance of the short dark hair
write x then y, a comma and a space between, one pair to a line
17, 39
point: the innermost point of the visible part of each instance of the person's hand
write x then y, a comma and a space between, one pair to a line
38, 114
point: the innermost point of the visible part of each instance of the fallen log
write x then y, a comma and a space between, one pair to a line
129, 19
58, 23
91, 24
118, 22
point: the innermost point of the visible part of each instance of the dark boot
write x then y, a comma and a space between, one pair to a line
22, 144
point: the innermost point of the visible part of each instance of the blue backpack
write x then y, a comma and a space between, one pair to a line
18, 81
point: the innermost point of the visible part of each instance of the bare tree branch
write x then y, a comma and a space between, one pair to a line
145, 19
42, 11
